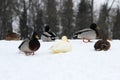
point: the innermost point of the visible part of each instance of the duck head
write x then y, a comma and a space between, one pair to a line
35, 35
64, 38
105, 37
95, 28
47, 28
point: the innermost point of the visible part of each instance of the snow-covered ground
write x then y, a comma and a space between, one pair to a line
82, 63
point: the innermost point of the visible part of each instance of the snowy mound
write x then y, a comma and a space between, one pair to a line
82, 63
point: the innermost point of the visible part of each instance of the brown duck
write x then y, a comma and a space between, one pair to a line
12, 36
103, 44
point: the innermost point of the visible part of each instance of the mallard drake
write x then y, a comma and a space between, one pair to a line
87, 33
103, 44
48, 35
12, 36
29, 46
61, 46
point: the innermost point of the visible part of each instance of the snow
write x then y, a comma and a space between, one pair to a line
82, 63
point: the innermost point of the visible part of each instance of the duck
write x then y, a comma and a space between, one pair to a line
12, 36
48, 35
30, 45
61, 46
88, 33
102, 44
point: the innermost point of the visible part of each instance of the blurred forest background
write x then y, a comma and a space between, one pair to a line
26, 16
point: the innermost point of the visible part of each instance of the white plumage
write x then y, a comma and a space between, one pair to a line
25, 46
87, 33
61, 46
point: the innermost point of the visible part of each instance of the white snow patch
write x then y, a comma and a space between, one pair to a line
82, 63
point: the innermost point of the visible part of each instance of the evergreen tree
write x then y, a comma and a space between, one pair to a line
83, 18
116, 28
67, 18
104, 19
39, 23
103, 15
51, 15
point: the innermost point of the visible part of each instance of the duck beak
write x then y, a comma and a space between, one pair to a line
37, 36
98, 28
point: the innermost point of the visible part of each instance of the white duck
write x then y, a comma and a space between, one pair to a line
61, 46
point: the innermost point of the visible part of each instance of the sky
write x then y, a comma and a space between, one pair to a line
81, 63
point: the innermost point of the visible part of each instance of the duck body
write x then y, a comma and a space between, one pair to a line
29, 46
87, 33
12, 36
48, 35
61, 46
102, 45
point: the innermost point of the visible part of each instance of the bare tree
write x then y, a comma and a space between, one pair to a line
83, 18
67, 18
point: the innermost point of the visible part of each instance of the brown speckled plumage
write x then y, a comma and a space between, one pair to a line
102, 45
12, 36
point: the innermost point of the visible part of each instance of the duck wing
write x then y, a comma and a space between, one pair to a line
86, 33
46, 34
23, 43
52, 34
82, 31
24, 46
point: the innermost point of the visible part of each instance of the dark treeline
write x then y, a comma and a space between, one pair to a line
60, 15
